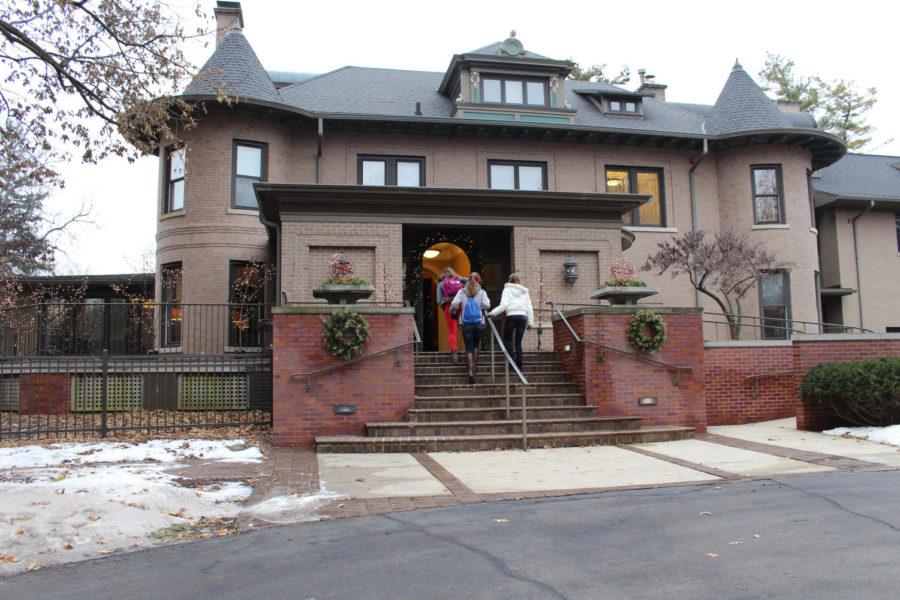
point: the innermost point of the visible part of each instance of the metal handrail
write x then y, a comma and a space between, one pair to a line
310, 374
519, 374
785, 325
677, 368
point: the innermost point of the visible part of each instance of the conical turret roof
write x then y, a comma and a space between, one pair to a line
744, 106
234, 70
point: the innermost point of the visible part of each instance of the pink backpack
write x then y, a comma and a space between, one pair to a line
450, 287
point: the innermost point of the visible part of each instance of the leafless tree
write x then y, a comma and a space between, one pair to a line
724, 267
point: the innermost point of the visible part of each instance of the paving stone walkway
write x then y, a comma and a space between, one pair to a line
403, 482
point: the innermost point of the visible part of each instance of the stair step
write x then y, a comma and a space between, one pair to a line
656, 433
497, 427
442, 415
497, 400
461, 378
492, 389
443, 358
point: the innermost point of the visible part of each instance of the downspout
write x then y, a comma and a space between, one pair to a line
859, 292
320, 137
693, 186
277, 257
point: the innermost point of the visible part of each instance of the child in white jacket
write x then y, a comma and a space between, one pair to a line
516, 303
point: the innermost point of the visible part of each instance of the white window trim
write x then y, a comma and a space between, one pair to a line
771, 226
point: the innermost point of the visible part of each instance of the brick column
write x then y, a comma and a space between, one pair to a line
379, 388
615, 383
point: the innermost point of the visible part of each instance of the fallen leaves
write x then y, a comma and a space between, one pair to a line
6, 557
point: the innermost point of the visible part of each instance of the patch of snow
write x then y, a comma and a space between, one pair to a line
291, 508
882, 435
162, 451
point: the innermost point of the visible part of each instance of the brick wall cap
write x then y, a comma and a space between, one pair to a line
844, 337
327, 309
628, 310
747, 343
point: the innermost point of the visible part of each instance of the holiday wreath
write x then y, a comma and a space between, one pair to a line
647, 331
345, 334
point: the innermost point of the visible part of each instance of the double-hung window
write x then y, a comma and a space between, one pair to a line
502, 90
172, 311
639, 180
768, 195
174, 180
403, 171
517, 175
774, 304
248, 167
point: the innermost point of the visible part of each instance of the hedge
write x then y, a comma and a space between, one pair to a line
862, 392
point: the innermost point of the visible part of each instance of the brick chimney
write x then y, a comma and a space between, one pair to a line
657, 91
228, 15
787, 105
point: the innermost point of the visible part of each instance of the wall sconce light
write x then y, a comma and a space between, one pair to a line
570, 270
647, 401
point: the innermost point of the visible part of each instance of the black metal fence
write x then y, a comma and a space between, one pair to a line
76, 370
94, 396
130, 328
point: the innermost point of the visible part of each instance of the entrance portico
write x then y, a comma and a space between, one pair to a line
376, 226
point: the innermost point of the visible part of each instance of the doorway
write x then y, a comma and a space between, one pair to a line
434, 260
483, 249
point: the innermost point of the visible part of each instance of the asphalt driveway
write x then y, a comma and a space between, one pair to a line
832, 535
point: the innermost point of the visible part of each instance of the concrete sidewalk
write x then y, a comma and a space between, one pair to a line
383, 483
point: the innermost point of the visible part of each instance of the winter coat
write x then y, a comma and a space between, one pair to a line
515, 301
459, 302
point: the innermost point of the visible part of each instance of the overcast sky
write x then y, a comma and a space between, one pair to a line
690, 46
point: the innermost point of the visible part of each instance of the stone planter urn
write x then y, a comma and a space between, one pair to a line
343, 294
618, 295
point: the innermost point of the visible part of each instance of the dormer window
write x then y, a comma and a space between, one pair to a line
515, 90
623, 106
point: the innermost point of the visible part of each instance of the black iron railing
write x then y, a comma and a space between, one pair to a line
523, 382
723, 326
133, 328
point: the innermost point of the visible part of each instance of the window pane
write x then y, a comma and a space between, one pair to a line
409, 173
531, 178
535, 90
615, 105
513, 91
766, 181
171, 284
772, 290
649, 213
503, 177
491, 90
249, 161
630, 107
373, 172
176, 164
176, 195
617, 182
768, 209
775, 324
244, 197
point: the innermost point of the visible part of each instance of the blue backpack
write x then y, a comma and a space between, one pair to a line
472, 311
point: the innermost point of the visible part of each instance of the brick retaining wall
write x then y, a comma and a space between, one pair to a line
379, 388
749, 383
616, 383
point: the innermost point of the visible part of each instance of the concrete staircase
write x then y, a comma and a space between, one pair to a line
450, 415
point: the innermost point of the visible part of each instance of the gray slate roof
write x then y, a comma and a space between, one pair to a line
743, 106
234, 70
361, 91
861, 176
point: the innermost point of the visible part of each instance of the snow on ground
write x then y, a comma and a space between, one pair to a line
883, 435
73, 501
292, 508
163, 451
